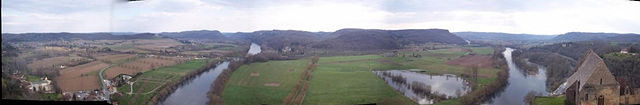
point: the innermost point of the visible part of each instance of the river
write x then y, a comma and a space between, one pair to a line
519, 84
194, 92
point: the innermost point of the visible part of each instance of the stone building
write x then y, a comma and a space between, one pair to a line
592, 83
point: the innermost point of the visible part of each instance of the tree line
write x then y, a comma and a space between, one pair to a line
491, 90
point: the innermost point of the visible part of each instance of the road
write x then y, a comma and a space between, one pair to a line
104, 84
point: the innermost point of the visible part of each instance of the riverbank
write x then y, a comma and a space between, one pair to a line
172, 86
166, 79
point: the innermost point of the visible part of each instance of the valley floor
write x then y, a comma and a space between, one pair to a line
345, 79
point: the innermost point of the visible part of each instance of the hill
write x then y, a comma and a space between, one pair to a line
503, 36
359, 39
279, 39
428, 35
200, 34
585, 36
29, 37
374, 39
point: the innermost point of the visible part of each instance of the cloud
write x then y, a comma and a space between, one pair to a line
537, 17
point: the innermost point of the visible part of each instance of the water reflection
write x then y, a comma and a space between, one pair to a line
425, 89
194, 92
519, 84
254, 49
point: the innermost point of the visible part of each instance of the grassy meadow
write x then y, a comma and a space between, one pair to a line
343, 80
245, 89
158, 79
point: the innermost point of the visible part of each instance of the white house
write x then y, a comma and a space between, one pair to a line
43, 85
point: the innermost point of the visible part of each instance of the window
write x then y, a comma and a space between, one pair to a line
586, 97
600, 81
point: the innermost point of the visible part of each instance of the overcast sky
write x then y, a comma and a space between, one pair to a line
511, 16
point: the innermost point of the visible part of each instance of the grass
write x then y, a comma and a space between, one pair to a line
169, 73
351, 83
344, 79
33, 78
347, 58
243, 89
121, 47
549, 100
481, 50
50, 96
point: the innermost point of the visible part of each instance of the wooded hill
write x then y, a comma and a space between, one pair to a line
560, 59
29, 37
585, 36
211, 35
503, 36
348, 39
368, 39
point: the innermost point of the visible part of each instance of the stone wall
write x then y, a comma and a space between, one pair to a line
630, 99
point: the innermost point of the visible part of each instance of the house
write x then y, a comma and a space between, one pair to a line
624, 51
592, 83
43, 85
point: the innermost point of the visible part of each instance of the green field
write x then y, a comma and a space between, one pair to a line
549, 100
158, 78
50, 96
121, 47
344, 79
244, 89
351, 83
33, 78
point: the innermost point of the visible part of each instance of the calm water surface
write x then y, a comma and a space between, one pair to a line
194, 92
413, 85
519, 84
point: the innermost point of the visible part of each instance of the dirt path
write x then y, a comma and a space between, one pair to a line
131, 90
154, 89
135, 97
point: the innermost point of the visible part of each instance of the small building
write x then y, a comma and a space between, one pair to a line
624, 51
43, 85
592, 83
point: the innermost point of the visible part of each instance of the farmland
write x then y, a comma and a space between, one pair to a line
54, 62
116, 58
80, 78
141, 65
155, 79
349, 79
255, 83
145, 45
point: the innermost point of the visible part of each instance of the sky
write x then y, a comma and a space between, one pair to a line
547, 17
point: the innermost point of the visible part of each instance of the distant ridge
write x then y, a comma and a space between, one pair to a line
503, 36
372, 39
199, 34
588, 36
27, 37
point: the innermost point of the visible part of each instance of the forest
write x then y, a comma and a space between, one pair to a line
560, 59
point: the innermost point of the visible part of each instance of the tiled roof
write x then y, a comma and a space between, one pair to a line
589, 63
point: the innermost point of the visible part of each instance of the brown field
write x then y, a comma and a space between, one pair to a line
472, 60
70, 79
116, 57
117, 70
460, 50
155, 44
57, 61
142, 65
